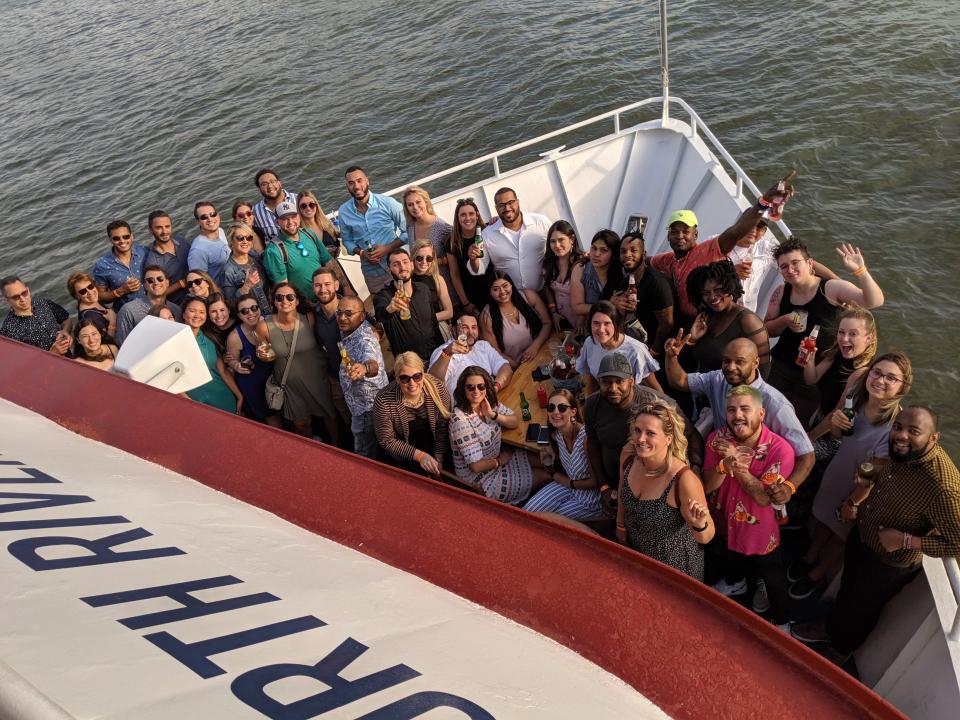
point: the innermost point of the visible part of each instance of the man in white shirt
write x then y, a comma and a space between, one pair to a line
449, 360
515, 243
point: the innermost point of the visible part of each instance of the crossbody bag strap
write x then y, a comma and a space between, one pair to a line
283, 251
293, 351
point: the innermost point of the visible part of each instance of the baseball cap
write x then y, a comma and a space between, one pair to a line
615, 365
287, 207
685, 216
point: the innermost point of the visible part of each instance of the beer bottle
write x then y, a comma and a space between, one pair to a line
525, 408
850, 413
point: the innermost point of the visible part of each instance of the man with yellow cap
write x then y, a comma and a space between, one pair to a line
686, 253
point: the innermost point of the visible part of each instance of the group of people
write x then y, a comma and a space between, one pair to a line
698, 424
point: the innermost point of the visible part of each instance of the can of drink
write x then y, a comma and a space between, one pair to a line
800, 320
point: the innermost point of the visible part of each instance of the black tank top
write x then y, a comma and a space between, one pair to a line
833, 382
820, 311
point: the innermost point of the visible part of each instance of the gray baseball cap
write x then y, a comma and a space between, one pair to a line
615, 365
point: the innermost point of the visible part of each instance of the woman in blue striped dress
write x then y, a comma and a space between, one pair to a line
572, 492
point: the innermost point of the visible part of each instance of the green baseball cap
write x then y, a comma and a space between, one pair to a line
685, 216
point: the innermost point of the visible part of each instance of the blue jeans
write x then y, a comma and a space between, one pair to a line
364, 438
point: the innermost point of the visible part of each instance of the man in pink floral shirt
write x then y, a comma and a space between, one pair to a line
743, 461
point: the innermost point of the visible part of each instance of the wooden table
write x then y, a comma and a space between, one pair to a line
522, 381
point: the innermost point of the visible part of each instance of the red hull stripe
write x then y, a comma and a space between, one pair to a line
692, 652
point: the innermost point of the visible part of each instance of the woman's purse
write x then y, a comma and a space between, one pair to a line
275, 394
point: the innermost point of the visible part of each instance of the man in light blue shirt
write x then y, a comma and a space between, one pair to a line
209, 251
740, 367
117, 273
371, 226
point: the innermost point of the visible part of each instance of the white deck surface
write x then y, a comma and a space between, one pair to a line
91, 666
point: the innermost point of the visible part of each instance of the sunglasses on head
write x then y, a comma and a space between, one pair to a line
416, 377
195, 282
557, 407
248, 310
84, 291
482, 387
208, 216
465, 201
289, 297
125, 236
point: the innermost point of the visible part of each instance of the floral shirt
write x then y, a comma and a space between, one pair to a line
750, 528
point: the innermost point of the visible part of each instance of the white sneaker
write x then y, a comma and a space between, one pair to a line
761, 601
725, 588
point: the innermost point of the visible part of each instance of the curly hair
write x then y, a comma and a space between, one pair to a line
722, 274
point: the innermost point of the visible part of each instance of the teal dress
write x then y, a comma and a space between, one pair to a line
215, 392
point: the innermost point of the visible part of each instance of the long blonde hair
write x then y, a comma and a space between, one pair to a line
855, 312
325, 224
420, 192
419, 245
410, 359
890, 407
673, 425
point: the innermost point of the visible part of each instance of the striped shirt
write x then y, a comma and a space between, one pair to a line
574, 462
266, 219
920, 497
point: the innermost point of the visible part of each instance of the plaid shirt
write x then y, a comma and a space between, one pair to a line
920, 497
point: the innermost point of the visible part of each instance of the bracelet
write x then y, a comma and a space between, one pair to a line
497, 461
497, 386
907, 539
700, 529
604, 488
793, 488
418, 455
860, 271
690, 342
622, 527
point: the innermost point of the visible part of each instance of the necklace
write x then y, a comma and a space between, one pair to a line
413, 403
659, 471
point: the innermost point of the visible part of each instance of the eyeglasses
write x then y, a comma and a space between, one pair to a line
19, 296
346, 313
252, 310
424, 258
416, 377
288, 297
505, 205
117, 238
243, 238
308, 206
154, 280
302, 249
208, 216
557, 407
482, 387
879, 375
84, 291
248, 213
465, 201
195, 282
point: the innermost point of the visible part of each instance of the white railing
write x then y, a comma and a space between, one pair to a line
943, 576
698, 128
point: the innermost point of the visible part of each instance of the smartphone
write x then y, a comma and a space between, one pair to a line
539, 374
636, 224
543, 435
533, 432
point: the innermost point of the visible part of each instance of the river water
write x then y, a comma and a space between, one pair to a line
112, 109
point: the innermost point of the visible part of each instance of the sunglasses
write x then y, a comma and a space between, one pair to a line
302, 249
116, 238
248, 213
243, 238
416, 377
84, 291
465, 201
154, 280
557, 407
253, 309
195, 282
208, 216
19, 296
346, 313
482, 387
308, 206
288, 297
424, 258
